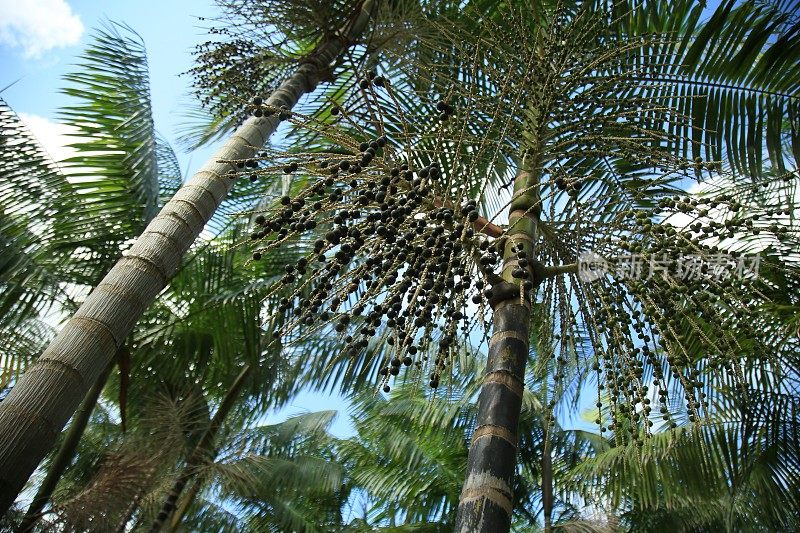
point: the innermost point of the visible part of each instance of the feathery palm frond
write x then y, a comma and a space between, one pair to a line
718, 475
281, 477
31, 191
115, 174
609, 158
261, 44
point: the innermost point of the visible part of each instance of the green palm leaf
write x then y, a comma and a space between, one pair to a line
123, 170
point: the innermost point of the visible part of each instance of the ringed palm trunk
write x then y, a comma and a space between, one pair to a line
487, 496
66, 451
36, 409
183, 505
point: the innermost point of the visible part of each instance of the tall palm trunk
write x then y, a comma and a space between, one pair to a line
486, 500
36, 409
204, 450
66, 451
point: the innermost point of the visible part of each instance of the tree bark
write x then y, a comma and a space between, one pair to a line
547, 486
184, 504
203, 451
66, 452
123, 523
36, 409
486, 502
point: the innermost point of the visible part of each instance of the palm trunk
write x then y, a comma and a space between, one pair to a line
547, 486
184, 504
203, 451
123, 523
66, 452
486, 501
36, 409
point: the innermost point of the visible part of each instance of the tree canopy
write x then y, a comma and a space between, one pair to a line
626, 172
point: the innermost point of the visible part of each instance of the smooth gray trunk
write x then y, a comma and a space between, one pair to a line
35, 411
65, 452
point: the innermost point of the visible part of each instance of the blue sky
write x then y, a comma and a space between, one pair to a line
41, 39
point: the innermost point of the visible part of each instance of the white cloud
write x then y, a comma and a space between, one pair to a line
53, 136
38, 25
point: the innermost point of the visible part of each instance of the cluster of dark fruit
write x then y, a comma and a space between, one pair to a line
388, 267
697, 164
445, 110
572, 186
658, 320
373, 78
643, 325
660, 314
259, 109
225, 71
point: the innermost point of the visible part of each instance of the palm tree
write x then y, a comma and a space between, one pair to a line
116, 193
204, 449
409, 454
598, 117
207, 322
74, 360
280, 477
184, 359
264, 477
604, 113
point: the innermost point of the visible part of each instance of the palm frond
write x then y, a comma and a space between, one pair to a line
32, 191
115, 174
